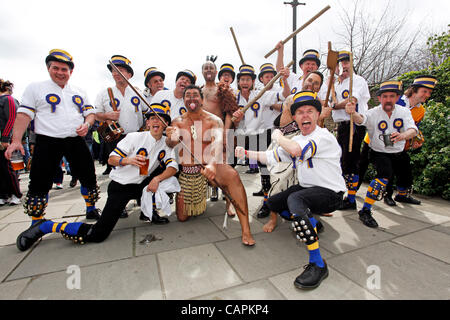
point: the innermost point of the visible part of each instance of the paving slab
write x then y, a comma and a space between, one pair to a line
394, 223
344, 234
334, 287
58, 254
129, 279
258, 290
444, 228
11, 290
177, 235
10, 257
234, 229
429, 242
273, 253
403, 273
195, 271
430, 216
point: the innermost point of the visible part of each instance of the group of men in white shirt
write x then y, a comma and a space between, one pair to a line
325, 168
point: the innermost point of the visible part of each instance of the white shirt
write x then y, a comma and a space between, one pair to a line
319, 164
167, 97
132, 109
270, 115
377, 119
56, 112
141, 143
148, 96
253, 122
360, 92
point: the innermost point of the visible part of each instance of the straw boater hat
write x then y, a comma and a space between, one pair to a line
162, 110
303, 98
390, 86
121, 61
246, 70
227, 67
310, 54
343, 55
151, 72
60, 56
187, 73
426, 81
266, 68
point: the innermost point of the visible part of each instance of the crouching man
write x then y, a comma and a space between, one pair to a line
130, 176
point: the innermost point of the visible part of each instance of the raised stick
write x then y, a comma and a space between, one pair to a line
237, 45
263, 90
299, 29
350, 98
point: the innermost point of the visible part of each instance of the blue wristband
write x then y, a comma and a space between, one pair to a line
120, 162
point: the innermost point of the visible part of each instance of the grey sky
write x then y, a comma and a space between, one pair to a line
170, 35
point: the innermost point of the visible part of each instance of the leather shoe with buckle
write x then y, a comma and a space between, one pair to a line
389, 201
406, 199
156, 219
28, 237
366, 217
311, 277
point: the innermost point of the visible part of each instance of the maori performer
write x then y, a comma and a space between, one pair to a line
220, 101
62, 116
321, 186
127, 182
389, 126
202, 133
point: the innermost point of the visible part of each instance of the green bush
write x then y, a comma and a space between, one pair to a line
431, 163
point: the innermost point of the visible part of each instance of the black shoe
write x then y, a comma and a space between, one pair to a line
389, 201
347, 205
311, 277
107, 171
252, 171
93, 214
263, 212
144, 218
171, 198
124, 214
260, 193
214, 194
319, 227
366, 217
73, 182
406, 199
28, 237
156, 219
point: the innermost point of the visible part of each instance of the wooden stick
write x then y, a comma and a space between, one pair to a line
237, 45
263, 90
226, 194
350, 98
298, 30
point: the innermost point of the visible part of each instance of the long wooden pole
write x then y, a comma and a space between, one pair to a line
263, 90
226, 194
298, 30
350, 98
237, 45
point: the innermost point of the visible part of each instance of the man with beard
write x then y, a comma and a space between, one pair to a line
202, 133
174, 98
389, 126
127, 182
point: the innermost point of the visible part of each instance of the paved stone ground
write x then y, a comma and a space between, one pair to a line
407, 257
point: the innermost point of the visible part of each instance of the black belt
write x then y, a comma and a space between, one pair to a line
344, 122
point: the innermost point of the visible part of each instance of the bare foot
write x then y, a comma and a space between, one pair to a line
247, 240
270, 225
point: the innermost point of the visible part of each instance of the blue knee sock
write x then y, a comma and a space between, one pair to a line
314, 254
89, 206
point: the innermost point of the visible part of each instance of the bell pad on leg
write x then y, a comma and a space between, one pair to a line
35, 206
94, 195
304, 230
